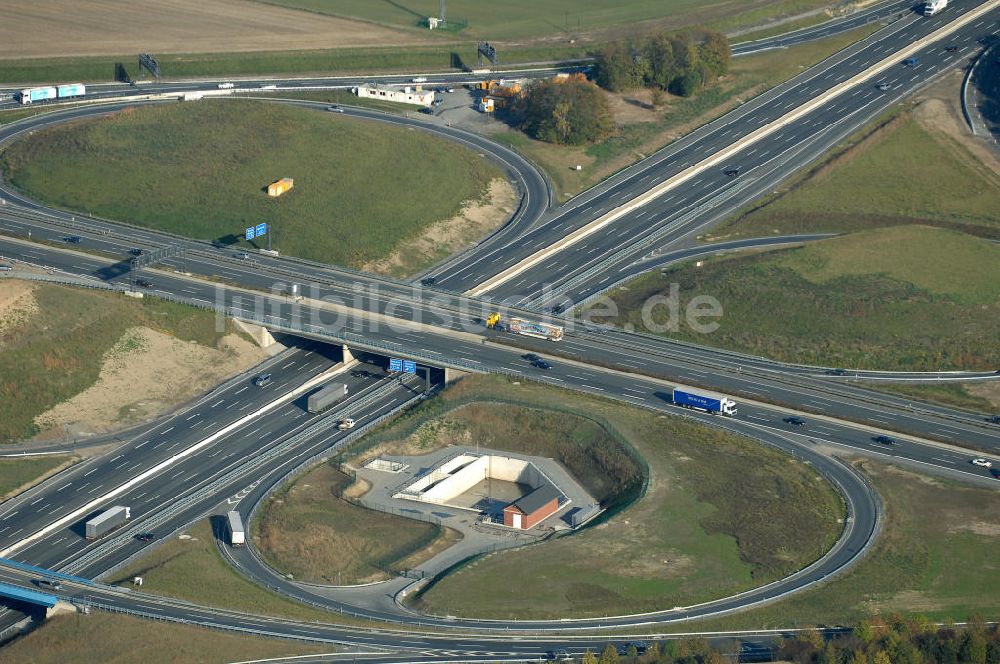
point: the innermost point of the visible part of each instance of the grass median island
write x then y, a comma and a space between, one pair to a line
936, 557
99, 638
903, 297
312, 531
200, 169
21, 473
54, 340
719, 514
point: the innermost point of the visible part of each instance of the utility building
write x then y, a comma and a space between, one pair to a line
533, 508
407, 95
276, 189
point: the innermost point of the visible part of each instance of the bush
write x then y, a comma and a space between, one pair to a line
572, 112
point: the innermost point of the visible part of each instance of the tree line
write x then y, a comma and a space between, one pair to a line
681, 63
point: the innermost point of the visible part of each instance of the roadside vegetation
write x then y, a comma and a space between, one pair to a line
17, 474
192, 569
903, 297
523, 19
936, 557
311, 530
54, 340
690, 526
642, 126
87, 639
873, 180
201, 169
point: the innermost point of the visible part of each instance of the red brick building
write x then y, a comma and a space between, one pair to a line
533, 508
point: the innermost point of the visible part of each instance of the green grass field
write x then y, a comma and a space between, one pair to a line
310, 531
519, 19
874, 180
748, 77
57, 353
906, 297
15, 473
952, 394
192, 569
200, 169
84, 639
694, 534
936, 557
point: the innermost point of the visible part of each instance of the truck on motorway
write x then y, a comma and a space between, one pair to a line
528, 328
30, 95
237, 536
708, 403
932, 7
106, 521
323, 399
71, 90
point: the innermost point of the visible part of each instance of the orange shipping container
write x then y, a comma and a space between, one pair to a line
280, 187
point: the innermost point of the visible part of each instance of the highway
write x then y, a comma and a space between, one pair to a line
441, 329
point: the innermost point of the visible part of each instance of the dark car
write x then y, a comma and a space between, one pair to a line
556, 308
73, 239
883, 86
360, 373
262, 380
884, 440
531, 357
951, 48
732, 171
47, 583
836, 372
542, 364
993, 419
795, 421
145, 283
427, 111
911, 62
145, 537
428, 281
136, 251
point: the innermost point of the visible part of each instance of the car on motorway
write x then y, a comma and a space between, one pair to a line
993, 419
558, 655
982, 463
360, 373
950, 48
242, 255
836, 372
420, 79
227, 86
145, 537
48, 583
732, 171
262, 380
884, 440
542, 364
335, 109
428, 281
144, 283
345, 424
883, 86
794, 421
531, 357
911, 62
73, 239
135, 251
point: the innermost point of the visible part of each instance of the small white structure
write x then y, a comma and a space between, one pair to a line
407, 95
432, 22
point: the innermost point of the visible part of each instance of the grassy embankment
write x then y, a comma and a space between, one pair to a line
697, 532
748, 77
199, 169
57, 351
525, 19
310, 530
192, 569
905, 297
84, 639
936, 557
21, 473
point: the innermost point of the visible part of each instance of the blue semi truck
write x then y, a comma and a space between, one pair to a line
708, 403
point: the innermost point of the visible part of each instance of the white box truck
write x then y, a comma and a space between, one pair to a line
932, 7
237, 536
106, 521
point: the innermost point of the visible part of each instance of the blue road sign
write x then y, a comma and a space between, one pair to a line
261, 230
395, 364
250, 232
409, 367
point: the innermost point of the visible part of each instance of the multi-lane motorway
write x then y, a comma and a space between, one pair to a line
442, 328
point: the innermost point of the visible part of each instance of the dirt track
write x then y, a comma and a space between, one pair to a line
53, 28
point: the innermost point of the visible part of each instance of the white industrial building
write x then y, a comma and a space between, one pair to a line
408, 95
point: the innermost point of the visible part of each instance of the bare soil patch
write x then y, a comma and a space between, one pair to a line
17, 304
941, 113
55, 28
146, 374
989, 390
476, 220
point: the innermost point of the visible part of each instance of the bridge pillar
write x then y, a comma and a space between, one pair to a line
259, 333
60, 608
348, 356
451, 375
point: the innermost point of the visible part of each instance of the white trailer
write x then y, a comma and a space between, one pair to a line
932, 7
237, 536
